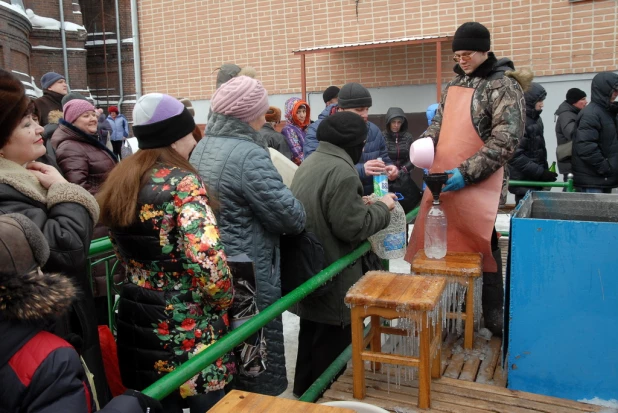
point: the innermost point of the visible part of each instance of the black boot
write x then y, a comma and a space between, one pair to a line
493, 297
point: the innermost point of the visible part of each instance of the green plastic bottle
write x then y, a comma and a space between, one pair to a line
552, 168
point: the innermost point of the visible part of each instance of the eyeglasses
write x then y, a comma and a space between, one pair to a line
464, 57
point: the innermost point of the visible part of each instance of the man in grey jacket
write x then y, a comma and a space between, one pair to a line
566, 125
328, 186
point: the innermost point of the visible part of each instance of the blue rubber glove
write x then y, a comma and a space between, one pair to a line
455, 182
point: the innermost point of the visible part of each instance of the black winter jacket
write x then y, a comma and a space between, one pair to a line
398, 144
530, 159
566, 125
275, 140
39, 371
595, 146
375, 147
65, 214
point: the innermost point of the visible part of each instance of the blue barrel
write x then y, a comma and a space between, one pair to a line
562, 296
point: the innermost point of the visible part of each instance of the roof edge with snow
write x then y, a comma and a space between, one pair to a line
375, 44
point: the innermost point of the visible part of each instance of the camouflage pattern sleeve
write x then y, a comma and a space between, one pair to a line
508, 110
433, 131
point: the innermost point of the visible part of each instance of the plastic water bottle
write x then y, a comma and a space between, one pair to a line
380, 183
435, 232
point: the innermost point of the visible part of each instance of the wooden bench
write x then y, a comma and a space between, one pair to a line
463, 268
393, 296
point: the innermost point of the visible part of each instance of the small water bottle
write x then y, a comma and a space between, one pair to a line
435, 232
380, 183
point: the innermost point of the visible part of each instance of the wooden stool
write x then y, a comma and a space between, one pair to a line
388, 295
460, 267
238, 401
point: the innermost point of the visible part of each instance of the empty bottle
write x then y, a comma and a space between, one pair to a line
435, 232
380, 183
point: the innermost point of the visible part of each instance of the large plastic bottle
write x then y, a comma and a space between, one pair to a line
380, 183
435, 232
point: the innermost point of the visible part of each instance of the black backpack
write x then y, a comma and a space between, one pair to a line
302, 257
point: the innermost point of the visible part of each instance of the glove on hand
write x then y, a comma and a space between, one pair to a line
549, 176
147, 403
455, 182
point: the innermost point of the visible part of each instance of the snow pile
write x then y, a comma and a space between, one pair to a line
48, 23
613, 404
14, 7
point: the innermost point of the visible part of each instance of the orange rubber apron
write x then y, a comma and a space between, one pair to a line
471, 211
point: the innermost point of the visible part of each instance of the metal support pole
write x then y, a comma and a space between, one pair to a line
570, 187
303, 78
438, 71
63, 35
118, 41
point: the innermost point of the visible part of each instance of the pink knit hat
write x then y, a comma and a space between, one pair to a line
242, 97
73, 109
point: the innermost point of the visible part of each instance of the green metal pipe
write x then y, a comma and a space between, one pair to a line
100, 246
539, 184
570, 186
318, 386
176, 378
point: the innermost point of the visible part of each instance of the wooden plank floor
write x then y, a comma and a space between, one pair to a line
472, 381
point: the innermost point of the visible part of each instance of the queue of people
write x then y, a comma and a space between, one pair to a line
178, 209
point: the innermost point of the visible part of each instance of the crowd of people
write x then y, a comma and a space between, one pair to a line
178, 210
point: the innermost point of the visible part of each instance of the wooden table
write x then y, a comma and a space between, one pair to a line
244, 402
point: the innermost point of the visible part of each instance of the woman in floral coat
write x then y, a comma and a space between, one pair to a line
164, 231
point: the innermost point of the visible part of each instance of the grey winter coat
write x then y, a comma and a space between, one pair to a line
595, 146
253, 208
275, 140
566, 125
328, 186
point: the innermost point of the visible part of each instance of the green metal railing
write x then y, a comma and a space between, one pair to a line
568, 184
176, 378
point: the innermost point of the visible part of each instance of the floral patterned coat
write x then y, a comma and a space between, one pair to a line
180, 288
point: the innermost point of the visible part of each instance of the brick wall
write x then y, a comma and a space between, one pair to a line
14, 45
183, 42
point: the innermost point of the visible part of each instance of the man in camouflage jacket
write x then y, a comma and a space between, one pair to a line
498, 115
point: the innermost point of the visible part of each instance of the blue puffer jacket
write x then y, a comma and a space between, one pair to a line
254, 209
375, 147
120, 127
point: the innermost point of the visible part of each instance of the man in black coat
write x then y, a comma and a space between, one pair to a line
595, 146
530, 160
54, 89
566, 125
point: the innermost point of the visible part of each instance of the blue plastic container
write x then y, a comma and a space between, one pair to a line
562, 296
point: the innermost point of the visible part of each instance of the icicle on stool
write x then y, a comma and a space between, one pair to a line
459, 268
394, 296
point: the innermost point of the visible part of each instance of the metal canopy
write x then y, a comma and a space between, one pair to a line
438, 40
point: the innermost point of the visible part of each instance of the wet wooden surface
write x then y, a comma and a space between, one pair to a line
473, 382
396, 291
245, 402
458, 264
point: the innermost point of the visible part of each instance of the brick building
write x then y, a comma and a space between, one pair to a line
31, 45
564, 42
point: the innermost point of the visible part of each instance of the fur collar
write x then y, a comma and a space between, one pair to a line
34, 297
22, 180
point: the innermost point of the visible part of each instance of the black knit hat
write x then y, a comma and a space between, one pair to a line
574, 95
331, 92
472, 36
343, 129
354, 95
13, 105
